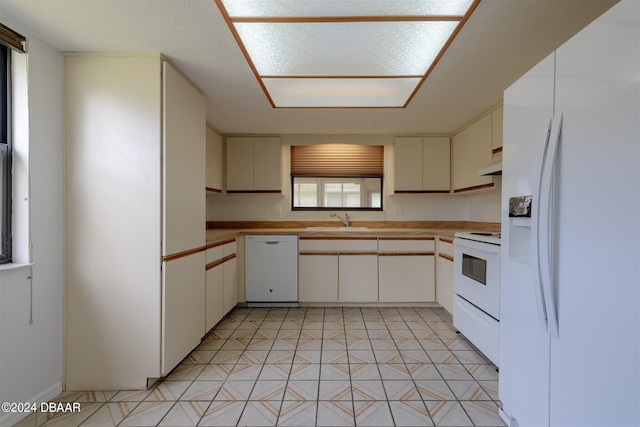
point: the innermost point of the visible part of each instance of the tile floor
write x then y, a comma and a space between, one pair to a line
311, 367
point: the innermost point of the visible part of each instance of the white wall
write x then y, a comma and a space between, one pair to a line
31, 353
483, 207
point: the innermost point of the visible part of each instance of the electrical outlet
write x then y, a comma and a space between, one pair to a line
397, 210
276, 209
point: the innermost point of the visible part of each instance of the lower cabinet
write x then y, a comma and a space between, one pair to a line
338, 269
183, 314
230, 283
358, 277
366, 269
318, 277
214, 295
407, 269
221, 288
407, 277
444, 281
444, 274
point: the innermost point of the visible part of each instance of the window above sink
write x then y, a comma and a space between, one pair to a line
351, 193
337, 177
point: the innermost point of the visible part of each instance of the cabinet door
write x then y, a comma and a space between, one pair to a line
214, 161
230, 284
239, 164
112, 207
267, 162
444, 282
436, 164
214, 296
496, 128
358, 277
407, 154
183, 308
406, 278
471, 150
184, 164
318, 277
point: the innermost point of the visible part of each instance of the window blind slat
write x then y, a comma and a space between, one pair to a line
346, 160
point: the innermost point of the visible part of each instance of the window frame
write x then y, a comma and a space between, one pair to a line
5, 155
321, 193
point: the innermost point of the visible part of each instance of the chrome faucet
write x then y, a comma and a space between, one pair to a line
346, 219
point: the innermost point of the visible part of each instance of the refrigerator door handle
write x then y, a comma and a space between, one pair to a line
537, 276
545, 225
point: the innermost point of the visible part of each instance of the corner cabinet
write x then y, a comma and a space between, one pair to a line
497, 120
473, 148
254, 165
422, 164
215, 161
135, 219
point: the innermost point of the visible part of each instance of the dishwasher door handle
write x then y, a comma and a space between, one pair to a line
271, 243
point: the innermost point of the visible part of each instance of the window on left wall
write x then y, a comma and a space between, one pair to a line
5, 155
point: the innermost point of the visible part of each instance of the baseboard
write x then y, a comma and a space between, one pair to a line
369, 304
11, 418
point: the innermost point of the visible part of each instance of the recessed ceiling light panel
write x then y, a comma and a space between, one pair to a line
344, 49
340, 93
309, 8
343, 53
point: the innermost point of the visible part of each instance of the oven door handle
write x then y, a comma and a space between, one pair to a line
477, 246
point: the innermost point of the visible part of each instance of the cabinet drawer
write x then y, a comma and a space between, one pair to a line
331, 244
445, 247
426, 244
230, 248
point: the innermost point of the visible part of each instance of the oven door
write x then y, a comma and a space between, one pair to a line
476, 274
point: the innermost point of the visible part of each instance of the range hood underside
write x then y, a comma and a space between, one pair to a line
493, 168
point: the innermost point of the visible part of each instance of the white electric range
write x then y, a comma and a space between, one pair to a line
476, 285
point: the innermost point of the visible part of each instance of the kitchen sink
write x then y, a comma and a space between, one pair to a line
338, 228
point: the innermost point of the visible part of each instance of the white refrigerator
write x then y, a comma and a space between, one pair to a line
569, 299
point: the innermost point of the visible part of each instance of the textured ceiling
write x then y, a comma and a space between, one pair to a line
501, 41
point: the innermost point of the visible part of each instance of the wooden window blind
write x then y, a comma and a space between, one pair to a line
11, 39
337, 160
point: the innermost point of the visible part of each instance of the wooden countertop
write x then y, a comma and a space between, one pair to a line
216, 234
217, 231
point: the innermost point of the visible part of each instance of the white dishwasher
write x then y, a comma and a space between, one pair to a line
271, 270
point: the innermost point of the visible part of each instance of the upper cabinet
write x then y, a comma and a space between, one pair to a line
214, 161
472, 149
254, 165
422, 164
496, 130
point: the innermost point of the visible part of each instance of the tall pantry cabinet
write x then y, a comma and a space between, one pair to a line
135, 219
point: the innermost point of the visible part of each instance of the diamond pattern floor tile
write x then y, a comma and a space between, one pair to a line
333, 366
